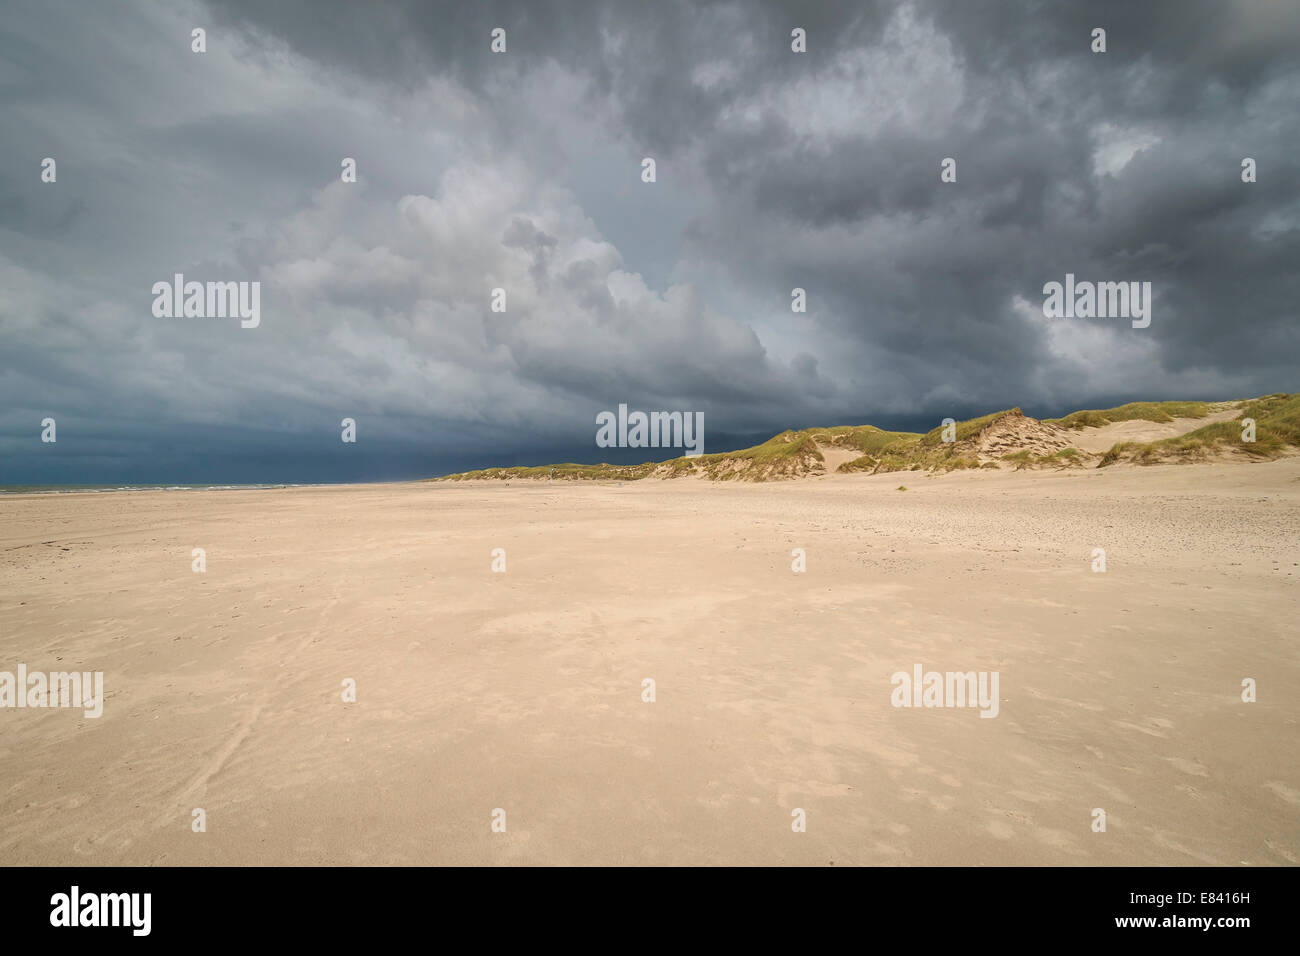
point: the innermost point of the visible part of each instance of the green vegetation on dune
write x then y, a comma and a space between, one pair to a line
794, 453
881, 450
967, 429
783, 455
566, 470
907, 451
787, 455
1277, 426
867, 439
1143, 411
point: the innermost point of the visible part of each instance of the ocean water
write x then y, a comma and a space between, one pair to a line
83, 489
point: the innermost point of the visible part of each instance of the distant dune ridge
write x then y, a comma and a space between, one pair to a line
1141, 432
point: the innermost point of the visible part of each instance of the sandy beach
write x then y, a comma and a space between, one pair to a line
522, 690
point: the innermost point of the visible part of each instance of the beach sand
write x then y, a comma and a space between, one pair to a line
522, 690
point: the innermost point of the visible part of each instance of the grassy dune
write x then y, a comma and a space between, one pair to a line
793, 454
783, 455
1277, 427
1144, 411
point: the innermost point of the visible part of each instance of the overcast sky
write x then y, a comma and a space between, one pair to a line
522, 170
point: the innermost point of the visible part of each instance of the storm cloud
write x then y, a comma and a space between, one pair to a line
522, 171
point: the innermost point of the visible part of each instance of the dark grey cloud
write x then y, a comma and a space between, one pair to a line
522, 171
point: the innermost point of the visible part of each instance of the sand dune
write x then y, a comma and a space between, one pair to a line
834, 457
1088, 438
1102, 439
523, 690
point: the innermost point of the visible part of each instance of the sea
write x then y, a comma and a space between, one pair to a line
92, 489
